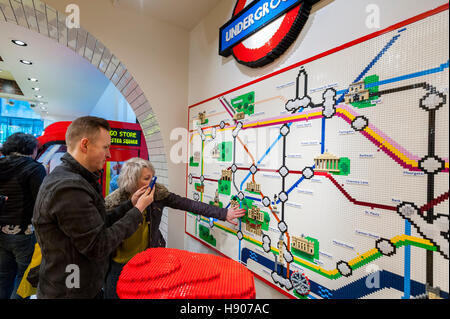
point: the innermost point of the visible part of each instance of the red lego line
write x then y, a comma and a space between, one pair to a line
351, 199
336, 49
434, 202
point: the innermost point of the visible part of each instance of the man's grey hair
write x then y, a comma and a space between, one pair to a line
130, 173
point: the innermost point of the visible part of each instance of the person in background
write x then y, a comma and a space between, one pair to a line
137, 173
75, 233
20, 179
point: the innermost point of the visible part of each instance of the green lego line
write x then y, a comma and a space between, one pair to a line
296, 294
411, 243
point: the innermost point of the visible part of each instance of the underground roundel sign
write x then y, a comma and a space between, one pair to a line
262, 30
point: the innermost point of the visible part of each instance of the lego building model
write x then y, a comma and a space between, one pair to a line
303, 245
239, 116
253, 187
202, 117
253, 228
356, 93
216, 198
326, 163
256, 214
226, 175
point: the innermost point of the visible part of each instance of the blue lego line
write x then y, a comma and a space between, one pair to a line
296, 184
267, 151
253, 198
270, 264
407, 273
370, 65
440, 68
322, 142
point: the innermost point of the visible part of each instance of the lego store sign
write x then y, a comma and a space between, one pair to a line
125, 137
262, 30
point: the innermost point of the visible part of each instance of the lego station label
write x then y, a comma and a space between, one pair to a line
125, 137
260, 31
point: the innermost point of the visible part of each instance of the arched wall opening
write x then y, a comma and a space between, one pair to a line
38, 16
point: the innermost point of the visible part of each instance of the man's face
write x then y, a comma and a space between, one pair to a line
98, 150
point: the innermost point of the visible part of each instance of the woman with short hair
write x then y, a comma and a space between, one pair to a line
136, 173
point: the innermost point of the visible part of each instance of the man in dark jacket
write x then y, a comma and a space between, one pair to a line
20, 179
75, 233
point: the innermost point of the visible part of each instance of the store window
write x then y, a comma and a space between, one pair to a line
18, 116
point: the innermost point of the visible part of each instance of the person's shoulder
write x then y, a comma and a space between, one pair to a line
115, 198
161, 192
61, 178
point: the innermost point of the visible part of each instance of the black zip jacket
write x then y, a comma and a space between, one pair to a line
75, 233
20, 179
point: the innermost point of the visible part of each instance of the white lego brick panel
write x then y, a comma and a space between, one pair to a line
367, 218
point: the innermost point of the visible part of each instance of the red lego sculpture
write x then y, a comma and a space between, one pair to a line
165, 273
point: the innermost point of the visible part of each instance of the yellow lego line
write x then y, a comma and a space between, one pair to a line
362, 257
351, 263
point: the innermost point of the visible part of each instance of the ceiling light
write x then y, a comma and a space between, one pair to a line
19, 43
32, 79
26, 62
39, 96
36, 89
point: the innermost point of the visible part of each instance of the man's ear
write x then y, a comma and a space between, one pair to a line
84, 144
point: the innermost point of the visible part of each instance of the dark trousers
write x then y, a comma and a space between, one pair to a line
111, 280
16, 252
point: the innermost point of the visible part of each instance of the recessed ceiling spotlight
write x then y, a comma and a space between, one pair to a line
33, 79
26, 62
19, 43
39, 96
36, 89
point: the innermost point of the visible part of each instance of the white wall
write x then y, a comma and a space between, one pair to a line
113, 106
156, 54
331, 23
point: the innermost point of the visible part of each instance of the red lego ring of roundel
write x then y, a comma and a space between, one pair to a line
290, 27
